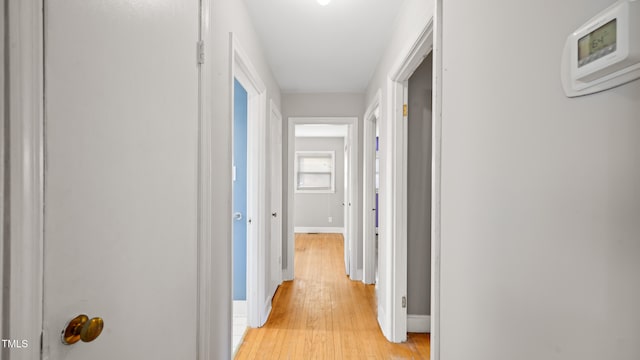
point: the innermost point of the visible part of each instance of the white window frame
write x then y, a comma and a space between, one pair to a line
318, 153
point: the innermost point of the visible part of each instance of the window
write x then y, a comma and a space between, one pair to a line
315, 171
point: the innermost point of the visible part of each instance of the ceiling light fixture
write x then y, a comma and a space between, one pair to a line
324, 2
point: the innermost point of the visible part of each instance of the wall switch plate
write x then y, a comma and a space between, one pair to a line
330, 219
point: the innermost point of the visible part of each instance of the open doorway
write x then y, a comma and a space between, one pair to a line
320, 173
392, 284
251, 301
371, 191
239, 212
419, 196
323, 182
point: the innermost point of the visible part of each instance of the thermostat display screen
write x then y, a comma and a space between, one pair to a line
598, 43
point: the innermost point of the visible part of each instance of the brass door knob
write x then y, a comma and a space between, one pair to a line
82, 328
91, 329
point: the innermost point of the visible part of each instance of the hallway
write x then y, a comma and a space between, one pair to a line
323, 314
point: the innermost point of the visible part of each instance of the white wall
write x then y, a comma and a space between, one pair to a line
540, 193
321, 105
314, 209
410, 21
228, 16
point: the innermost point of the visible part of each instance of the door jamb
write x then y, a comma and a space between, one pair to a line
243, 70
206, 275
436, 180
368, 167
396, 153
288, 273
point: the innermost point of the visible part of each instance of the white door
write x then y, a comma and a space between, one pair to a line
345, 203
276, 199
121, 115
351, 186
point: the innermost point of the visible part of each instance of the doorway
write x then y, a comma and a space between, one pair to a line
393, 229
371, 191
249, 218
240, 222
307, 182
419, 196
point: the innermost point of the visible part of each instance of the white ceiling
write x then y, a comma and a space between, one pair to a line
314, 48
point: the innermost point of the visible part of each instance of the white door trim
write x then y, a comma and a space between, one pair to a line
206, 275
26, 106
3, 151
395, 324
292, 122
436, 200
25, 262
243, 70
368, 193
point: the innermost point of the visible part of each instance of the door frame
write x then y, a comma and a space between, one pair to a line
25, 243
258, 305
288, 272
393, 221
2, 165
372, 115
436, 198
22, 314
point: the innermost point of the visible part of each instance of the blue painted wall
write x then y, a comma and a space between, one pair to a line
240, 192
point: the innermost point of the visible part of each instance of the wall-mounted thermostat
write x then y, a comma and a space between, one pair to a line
604, 52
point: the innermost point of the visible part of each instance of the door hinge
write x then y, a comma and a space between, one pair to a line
200, 55
405, 110
404, 302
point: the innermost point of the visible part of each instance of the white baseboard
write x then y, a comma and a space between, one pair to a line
287, 274
419, 323
266, 311
240, 308
357, 276
274, 289
322, 230
382, 322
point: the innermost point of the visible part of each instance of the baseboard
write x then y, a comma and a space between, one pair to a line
240, 307
419, 323
266, 311
382, 322
357, 276
287, 274
274, 289
322, 230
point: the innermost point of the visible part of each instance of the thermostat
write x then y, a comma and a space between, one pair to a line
604, 52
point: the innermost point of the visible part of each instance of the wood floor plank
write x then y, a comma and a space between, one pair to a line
322, 314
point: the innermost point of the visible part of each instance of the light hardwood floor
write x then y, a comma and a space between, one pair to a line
322, 314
